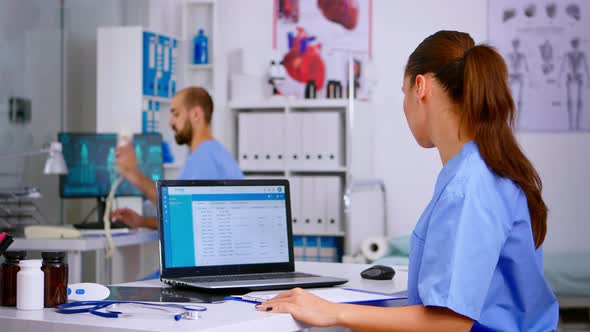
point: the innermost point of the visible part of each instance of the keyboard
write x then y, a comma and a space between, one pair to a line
99, 225
246, 277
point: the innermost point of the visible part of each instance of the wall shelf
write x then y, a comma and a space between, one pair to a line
207, 66
161, 100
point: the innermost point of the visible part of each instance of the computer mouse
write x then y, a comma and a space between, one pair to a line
378, 272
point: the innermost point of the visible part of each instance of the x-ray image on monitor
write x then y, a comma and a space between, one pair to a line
91, 164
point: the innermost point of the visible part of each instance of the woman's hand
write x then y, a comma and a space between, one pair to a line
304, 307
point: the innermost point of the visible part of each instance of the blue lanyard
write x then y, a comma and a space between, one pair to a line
94, 308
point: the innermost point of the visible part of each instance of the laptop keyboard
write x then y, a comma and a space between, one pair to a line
245, 277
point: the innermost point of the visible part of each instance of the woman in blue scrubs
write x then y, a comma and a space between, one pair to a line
476, 254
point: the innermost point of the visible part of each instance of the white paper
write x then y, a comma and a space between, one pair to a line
338, 295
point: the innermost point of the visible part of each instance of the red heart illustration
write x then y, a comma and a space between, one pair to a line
343, 12
303, 61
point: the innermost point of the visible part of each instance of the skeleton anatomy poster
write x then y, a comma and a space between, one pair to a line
317, 39
546, 45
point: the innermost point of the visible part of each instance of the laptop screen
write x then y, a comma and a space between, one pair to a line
220, 225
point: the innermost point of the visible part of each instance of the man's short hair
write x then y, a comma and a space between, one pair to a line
196, 96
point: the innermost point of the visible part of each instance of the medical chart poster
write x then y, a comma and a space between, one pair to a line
546, 45
317, 39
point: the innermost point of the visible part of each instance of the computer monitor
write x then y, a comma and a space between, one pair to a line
90, 159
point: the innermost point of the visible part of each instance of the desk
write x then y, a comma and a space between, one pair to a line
75, 247
229, 316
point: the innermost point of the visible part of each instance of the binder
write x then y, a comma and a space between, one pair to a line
298, 248
160, 77
164, 82
296, 197
327, 132
173, 70
272, 127
256, 139
149, 63
307, 203
245, 140
328, 249
320, 202
333, 185
293, 148
309, 159
163, 68
312, 250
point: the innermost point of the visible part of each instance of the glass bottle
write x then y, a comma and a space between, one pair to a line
56, 278
10, 268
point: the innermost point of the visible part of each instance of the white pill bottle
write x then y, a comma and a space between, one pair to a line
30, 285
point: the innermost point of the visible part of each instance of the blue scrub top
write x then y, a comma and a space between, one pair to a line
473, 252
211, 161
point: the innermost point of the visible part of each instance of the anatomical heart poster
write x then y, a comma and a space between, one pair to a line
546, 46
317, 41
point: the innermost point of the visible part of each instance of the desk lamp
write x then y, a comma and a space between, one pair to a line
55, 163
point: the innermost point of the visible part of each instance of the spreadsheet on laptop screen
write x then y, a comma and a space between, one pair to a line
224, 225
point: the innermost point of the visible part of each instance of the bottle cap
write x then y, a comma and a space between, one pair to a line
53, 255
30, 263
15, 255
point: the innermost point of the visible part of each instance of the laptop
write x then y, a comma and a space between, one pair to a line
229, 234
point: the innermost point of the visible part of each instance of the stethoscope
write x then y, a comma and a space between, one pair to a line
112, 309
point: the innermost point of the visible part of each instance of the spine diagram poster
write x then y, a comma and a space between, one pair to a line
316, 40
546, 45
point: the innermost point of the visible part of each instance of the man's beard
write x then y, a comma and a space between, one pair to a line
185, 135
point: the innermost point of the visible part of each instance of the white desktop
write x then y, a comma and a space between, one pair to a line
223, 317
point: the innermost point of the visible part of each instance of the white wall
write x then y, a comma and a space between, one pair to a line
563, 162
399, 26
409, 171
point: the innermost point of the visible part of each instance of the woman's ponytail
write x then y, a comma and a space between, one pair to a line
488, 114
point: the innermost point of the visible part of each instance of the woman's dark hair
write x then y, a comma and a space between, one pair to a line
476, 77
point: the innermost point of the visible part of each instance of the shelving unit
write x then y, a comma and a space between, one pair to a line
199, 14
137, 76
341, 127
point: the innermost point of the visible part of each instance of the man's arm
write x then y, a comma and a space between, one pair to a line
127, 166
144, 184
133, 219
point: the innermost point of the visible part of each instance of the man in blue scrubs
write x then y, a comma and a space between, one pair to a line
190, 118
